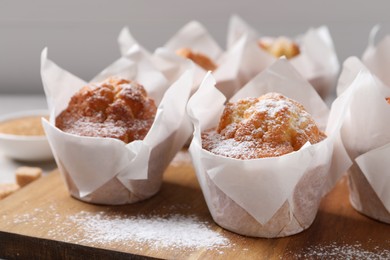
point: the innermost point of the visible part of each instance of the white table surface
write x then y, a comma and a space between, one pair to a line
11, 104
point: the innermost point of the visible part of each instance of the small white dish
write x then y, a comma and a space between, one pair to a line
25, 148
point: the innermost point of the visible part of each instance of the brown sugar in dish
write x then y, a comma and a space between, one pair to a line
268, 126
281, 46
115, 108
200, 59
24, 126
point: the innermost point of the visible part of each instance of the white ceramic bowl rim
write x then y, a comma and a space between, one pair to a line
21, 114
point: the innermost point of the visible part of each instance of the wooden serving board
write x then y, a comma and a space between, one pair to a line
29, 217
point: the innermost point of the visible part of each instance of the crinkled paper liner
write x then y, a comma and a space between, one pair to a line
115, 193
364, 130
295, 215
363, 198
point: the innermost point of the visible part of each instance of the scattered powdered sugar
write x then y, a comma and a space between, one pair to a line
168, 232
173, 231
337, 251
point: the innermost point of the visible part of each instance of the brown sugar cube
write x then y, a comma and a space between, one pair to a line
7, 189
25, 175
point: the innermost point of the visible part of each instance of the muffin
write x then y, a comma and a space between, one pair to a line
110, 141
262, 162
281, 46
199, 58
115, 108
268, 126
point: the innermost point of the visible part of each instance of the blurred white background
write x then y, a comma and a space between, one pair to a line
82, 35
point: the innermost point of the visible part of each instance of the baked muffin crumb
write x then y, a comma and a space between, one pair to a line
115, 108
268, 126
200, 59
281, 46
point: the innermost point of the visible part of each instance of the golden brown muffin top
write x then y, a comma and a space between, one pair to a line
280, 46
268, 126
202, 60
115, 108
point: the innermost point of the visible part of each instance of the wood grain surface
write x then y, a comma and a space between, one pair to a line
33, 225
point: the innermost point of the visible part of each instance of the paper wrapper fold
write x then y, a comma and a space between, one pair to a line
267, 197
317, 61
106, 170
236, 66
376, 57
366, 136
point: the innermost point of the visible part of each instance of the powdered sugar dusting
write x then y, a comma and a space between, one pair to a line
340, 251
168, 232
269, 126
173, 231
272, 107
230, 147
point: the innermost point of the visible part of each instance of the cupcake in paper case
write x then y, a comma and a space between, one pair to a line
262, 160
312, 53
364, 100
232, 68
114, 137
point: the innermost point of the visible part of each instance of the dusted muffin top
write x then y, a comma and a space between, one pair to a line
268, 126
200, 59
115, 108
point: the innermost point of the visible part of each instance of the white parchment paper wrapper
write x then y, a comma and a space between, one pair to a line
317, 61
268, 197
376, 57
171, 65
106, 170
366, 136
236, 65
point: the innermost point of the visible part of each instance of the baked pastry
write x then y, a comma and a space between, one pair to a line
281, 46
200, 59
268, 126
115, 108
